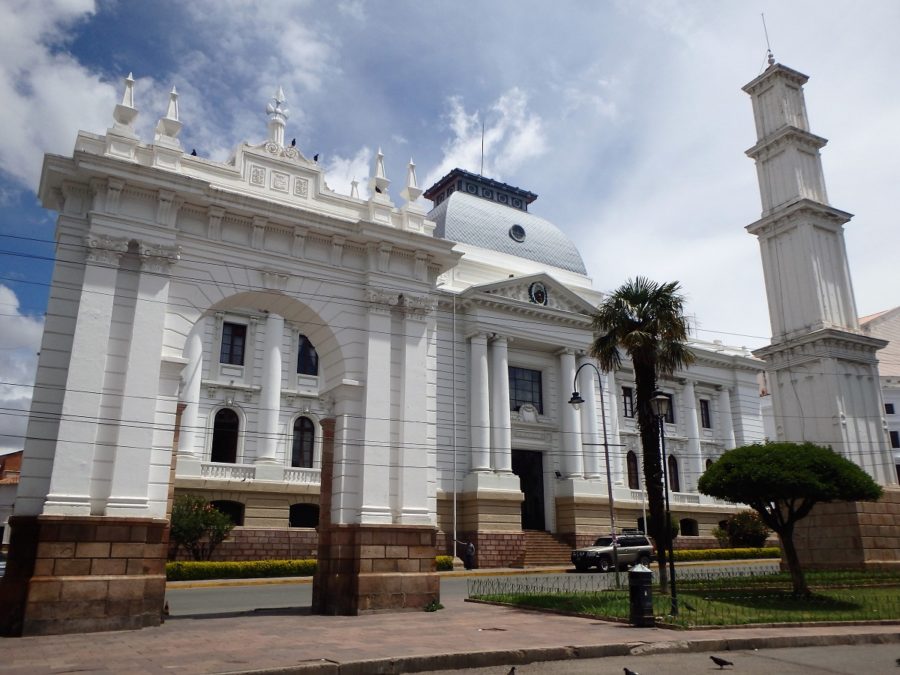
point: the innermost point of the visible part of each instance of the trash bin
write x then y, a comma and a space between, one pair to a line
640, 596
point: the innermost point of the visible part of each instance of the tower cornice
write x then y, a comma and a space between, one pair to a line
786, 136
787, 215
759, 82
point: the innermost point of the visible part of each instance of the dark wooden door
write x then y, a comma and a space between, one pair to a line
528, 465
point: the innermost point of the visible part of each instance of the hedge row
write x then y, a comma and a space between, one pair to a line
194, 571
444, 563
685, 555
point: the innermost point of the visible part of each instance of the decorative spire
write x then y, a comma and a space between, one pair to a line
354, 188
278, 114
412, 191
378, 183
169, 126
125, 112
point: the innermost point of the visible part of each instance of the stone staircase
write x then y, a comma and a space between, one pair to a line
542, 548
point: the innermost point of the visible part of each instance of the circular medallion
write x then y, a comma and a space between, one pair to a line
538, 293
517, 233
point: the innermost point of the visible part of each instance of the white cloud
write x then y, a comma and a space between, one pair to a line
20, 339
340, 171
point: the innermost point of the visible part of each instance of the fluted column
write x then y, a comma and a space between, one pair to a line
131, 476
726, 423
590, 436
73, 458
501, 433
270, 394
191, 377
693, 463
479, 407
570, 422
413, 421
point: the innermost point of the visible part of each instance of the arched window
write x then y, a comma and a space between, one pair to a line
689, 527
304, 515
709, 462
631, 461
674, 483
307, 358
225, 436
232, 509
304, 438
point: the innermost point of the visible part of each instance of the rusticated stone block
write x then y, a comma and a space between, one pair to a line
131, 550
106, 566
92, 549
42, 591
72, 567
55, 550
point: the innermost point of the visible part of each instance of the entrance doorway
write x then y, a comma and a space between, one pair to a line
528, 465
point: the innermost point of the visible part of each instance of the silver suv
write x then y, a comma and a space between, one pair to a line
632, 549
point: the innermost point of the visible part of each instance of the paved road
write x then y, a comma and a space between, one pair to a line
843, 660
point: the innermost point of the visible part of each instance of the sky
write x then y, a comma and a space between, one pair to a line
626, 118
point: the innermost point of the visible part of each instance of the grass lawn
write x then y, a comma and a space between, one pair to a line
841, 596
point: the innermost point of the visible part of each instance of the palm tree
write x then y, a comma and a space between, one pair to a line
645, 320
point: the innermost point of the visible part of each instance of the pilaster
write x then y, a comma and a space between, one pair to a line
270, 393
570, 422
479, 406
501, 426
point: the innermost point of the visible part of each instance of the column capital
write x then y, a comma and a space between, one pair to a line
417, 306
104, 249
565, 351
157, 257
496, 337
381, 301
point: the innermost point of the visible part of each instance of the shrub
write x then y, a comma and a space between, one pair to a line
198, 526
746, 529
721, 537
686, 555
444, 563
195, 571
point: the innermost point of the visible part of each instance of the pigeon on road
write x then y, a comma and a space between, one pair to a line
629, 671
719, 661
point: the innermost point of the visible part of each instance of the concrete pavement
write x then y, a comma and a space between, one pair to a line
461, 635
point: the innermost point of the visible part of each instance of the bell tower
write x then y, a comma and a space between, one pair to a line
822, 369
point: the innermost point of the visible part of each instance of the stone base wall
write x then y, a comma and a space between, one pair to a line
497, 549
851, 535
370, 568
256, 543
68, 574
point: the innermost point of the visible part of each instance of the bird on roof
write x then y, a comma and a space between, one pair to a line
293, 142
193, 153
629, 671
316, 157
719, 661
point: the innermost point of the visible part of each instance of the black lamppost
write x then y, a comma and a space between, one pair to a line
660, 406
576, 402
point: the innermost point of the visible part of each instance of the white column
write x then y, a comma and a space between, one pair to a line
590, 435
73, 460
128, 495
692, 464
501, 433
191, 378
479, 407
375, 461
570, 422
616, 450
413, 420
726, 424
270, 394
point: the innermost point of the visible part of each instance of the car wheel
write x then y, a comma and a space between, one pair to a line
582, 566
605, 564
644, 560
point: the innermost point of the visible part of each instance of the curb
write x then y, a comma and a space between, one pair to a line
510, 657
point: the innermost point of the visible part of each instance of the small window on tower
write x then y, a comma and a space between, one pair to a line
888, 408
705, 420
517, 233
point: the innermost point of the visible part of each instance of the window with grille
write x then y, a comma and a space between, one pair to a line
705, 419
525, 387
234, 338
628, 401
307, 358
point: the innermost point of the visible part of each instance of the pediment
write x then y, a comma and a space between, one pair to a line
536, 291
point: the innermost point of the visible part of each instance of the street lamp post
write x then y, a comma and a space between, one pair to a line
660, 405
576, 402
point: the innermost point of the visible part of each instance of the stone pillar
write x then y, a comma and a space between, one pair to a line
191, 376
479, 407
617, 451
692, 464
726, 423
375, 462
413, 419
270, 394
501, 428
131, 478
570, 422
590, 435
73, 459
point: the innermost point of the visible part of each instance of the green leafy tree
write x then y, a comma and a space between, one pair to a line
198, 526
746, 529
645, 320
782, 482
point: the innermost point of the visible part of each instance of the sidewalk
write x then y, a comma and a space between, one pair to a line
461, 635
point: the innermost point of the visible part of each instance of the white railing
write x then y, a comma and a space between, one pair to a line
222, 471
302, 476
684, 498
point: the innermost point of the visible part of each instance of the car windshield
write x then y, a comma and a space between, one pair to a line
603, 541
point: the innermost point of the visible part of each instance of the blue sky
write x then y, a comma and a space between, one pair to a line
626, 118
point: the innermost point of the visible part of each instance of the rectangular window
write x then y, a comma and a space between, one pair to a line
888, 408
705, 420
234, 337
628, 401
670, 416
895, 439
525, 387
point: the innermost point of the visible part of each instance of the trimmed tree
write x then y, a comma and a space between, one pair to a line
198, 526
782, 482
645, 320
